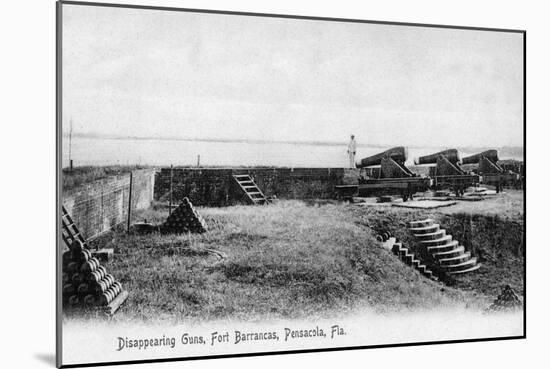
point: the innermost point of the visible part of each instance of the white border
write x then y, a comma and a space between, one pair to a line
28, 111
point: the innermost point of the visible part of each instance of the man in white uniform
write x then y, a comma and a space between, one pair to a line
352, 147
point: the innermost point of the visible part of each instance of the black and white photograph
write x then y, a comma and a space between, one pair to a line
239, 184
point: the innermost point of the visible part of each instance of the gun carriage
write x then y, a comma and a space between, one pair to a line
490, 171
386, 174
447, 173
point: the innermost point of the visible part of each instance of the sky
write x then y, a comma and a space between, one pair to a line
151, 73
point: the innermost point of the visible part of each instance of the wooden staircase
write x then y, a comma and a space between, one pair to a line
251, 191
86, 283
446, 252
69, 231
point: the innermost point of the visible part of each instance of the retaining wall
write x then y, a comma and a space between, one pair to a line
99, 206
216, 187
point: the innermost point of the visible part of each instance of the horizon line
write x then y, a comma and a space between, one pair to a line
260, 141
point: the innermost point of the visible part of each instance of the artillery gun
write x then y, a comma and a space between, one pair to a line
447, 173
386, 174
490, 171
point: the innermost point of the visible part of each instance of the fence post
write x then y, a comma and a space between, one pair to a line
171, 177
103, 208
130, 201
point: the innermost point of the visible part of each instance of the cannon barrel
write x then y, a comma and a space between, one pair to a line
473, 159
451, 155
398, 154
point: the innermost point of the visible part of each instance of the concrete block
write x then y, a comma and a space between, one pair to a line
104, 255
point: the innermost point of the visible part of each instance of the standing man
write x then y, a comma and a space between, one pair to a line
352, 147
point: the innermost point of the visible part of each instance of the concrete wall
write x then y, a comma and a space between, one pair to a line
216, 187
99, 206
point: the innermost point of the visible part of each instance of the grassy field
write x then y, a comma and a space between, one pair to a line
286, 260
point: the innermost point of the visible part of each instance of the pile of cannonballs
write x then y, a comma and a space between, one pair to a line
184, 219
85, 281
507, 300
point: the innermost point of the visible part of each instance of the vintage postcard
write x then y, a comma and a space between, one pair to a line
235, 183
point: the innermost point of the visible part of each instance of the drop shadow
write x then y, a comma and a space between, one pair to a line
46, 358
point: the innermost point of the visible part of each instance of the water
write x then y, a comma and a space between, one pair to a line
103, 151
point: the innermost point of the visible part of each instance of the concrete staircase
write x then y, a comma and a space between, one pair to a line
405, 255
448, 253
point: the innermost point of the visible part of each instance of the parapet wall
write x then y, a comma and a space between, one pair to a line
216, 187
100, 205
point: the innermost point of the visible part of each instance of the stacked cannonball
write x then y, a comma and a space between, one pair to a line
507, 300
383, 236
184, 219
86, 282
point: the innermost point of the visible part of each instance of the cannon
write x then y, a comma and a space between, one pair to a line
447, 163
393, 177
447, 173
392, 163
490, 155
490, 171
398, 154
451, 155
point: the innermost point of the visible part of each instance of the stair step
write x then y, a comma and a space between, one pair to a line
421, 223
442, 248
409, 259
403, 252
251, 189
431, 236
450, 253
423, 230
475, 267
404, 259
455, 259
440, 241
464, 265
69, 230
396, 248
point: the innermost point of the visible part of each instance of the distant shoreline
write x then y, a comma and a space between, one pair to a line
509, 149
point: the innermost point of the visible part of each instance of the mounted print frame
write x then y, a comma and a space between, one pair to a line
235, 184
